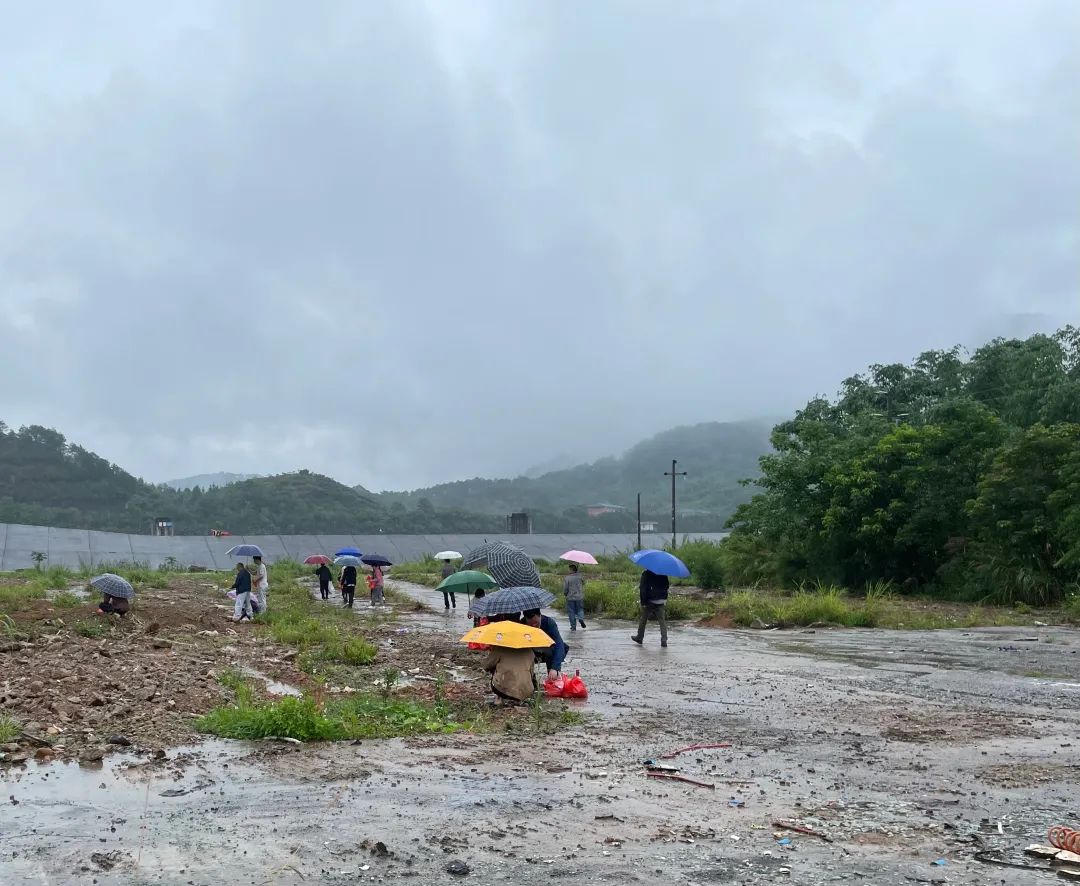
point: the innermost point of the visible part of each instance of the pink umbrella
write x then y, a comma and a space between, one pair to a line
582, 557
318, 560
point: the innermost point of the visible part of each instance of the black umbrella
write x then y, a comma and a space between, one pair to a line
509, 565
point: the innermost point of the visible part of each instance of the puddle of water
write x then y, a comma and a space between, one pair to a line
273, 687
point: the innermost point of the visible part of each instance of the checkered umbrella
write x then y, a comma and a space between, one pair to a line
510, 566
113, 585
477, 556
510, 600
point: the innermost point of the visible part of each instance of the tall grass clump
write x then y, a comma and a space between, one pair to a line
67, 600
704, 559
822, 604
10, 728
1072, 608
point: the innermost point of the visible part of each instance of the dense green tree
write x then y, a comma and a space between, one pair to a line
949, 472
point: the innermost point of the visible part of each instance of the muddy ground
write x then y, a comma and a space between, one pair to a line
914, 754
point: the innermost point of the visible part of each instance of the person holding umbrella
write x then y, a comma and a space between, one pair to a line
653, 588
574, 590
448, 596
554, 655
653, 594
347, 580
510, 661
242, 585
376, 585
260, 582
325, 576
116, 591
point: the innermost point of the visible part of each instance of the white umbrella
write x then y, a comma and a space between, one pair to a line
448, 555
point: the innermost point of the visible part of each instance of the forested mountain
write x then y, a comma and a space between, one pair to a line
45, 480
962, 474
715, 455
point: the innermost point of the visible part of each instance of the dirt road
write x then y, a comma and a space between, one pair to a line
910, 752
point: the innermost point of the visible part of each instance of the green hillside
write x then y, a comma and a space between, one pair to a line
45, 480
715, 455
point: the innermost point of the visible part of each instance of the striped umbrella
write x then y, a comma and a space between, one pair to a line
509, 565
510, 600
113, 585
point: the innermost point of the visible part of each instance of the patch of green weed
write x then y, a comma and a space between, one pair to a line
360, 716
91, 627
67, 600
10, 728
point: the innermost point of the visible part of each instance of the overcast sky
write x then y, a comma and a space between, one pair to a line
404, 242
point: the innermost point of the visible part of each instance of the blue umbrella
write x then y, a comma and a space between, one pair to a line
244, 551
661, 562
376, 560
348, 552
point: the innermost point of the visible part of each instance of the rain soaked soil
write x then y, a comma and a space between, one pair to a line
908, 754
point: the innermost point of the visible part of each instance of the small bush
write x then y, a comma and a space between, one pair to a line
10, 728
705, 562
1072, 609
67, 600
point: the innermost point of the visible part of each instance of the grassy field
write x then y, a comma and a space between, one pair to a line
335, 647
611, 591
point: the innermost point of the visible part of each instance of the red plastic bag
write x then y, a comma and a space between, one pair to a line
554, 688
566, 687
575, 687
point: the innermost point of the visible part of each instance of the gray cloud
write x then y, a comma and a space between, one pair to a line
258, 236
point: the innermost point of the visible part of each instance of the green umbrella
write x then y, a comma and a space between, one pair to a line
468, 580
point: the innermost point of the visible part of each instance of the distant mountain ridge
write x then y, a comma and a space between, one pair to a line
716, 456
46, 480
206, 481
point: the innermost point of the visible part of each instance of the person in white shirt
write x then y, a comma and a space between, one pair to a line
260, 582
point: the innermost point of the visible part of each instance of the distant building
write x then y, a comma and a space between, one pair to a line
519, 523
648, 526
601, 509
162, 526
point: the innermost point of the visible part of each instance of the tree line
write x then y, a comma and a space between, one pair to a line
956, 474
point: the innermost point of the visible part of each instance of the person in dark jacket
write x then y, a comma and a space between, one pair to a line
448, 596
554, 655
113, 605
478, 620
242, 585
653, 594
348, 585
324, 575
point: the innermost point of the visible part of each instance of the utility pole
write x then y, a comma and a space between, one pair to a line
673, 474
639, 521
